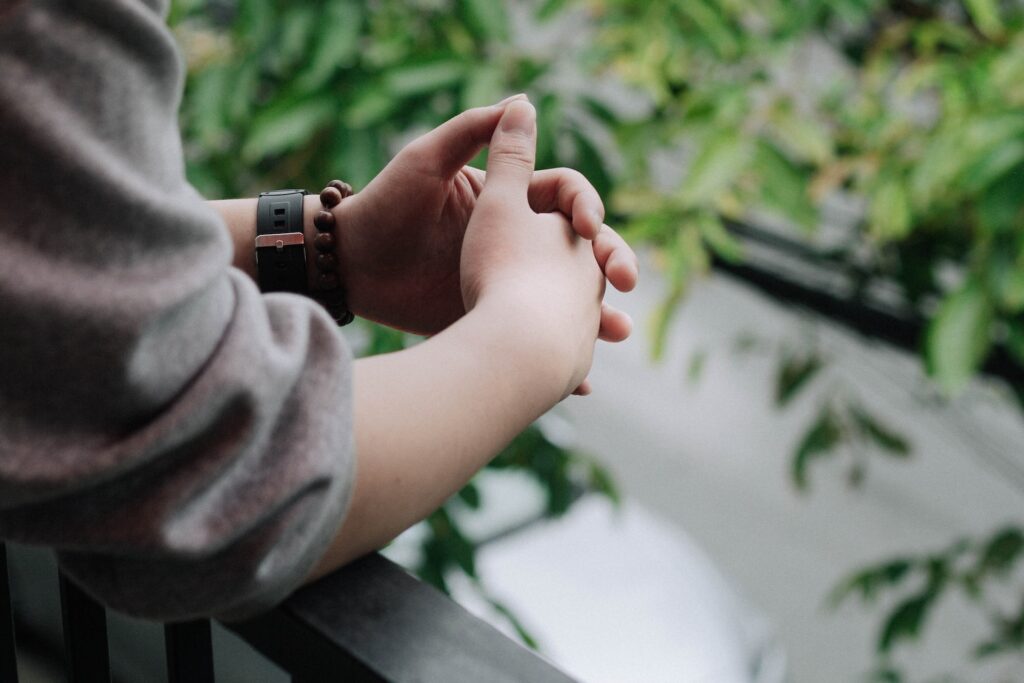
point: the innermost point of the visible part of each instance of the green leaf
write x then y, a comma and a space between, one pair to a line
369, 106
1015, 342
985, 14
721, 242
904, 623
424, 78
804, 137
524, 634
695, 368
601, 482
1001, 552
822, 437
889, 441
484, 86
785, 187
337, 43
890, 216
486, 18
1001, 208
550, 8
959, 338
886, 674
470, 495
794, 374
717, 167
286, 126
869, 582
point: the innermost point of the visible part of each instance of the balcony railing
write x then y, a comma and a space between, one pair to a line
370, 621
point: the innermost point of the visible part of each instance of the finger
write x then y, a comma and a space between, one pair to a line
513, 150
568, 191
584, 389
454, 143
617, 259
616, 325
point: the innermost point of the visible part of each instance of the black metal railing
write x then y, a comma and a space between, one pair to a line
370, 621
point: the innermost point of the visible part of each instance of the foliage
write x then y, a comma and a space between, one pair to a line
760, 112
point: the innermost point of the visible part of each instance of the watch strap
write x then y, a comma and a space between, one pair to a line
280, 242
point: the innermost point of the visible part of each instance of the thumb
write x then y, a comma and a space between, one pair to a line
513, 150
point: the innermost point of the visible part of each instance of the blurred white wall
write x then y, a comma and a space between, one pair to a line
714, 459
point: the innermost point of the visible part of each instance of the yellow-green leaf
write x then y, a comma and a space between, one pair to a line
959, 337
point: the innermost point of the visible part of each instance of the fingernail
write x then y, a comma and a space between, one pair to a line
520, 96
519, 118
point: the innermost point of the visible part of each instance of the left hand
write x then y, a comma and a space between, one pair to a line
400, 239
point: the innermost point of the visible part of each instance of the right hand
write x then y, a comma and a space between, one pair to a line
532, 260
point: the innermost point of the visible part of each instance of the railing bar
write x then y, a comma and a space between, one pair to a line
87, 657
189, 652
8, 643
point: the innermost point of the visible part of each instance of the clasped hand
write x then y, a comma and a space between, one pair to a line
429, 235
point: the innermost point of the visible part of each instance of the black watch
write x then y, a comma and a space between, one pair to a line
281, 242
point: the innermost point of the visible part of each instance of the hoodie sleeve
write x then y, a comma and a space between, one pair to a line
182, 442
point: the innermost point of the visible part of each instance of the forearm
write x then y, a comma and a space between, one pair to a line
428, 418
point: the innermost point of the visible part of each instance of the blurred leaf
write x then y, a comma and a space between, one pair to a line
695, 368
470, 495
337, 43
886, 675
286, 125
716, 167
486, 18
890, 211
794, 373
550, 8
985, 14
803, 136
424, 78
370, 105
1001, 552
524, 634
883, 437
785, 188
959, 337
485, 86
715, 235
602, 482
868, 583
904, 623
820, 440
1000, 208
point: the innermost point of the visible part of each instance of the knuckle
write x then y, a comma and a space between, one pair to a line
573, 178
514, 152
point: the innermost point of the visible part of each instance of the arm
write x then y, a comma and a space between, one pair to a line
428, 417
182, 442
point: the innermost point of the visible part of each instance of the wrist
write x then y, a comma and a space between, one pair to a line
532, 335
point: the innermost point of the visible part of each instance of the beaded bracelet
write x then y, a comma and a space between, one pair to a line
329, 291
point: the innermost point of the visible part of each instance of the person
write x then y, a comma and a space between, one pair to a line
190, 446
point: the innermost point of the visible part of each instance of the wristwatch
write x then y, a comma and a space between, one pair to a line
281, 242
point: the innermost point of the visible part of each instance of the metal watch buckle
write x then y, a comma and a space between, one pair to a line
280, 240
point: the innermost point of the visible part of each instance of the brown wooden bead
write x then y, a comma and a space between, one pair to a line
324, 242
324, 221
326, 263
330, 197
344, 188
327, 281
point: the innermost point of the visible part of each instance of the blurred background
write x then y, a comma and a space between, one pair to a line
808, 462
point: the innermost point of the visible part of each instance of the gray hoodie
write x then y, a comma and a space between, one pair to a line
181, 441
